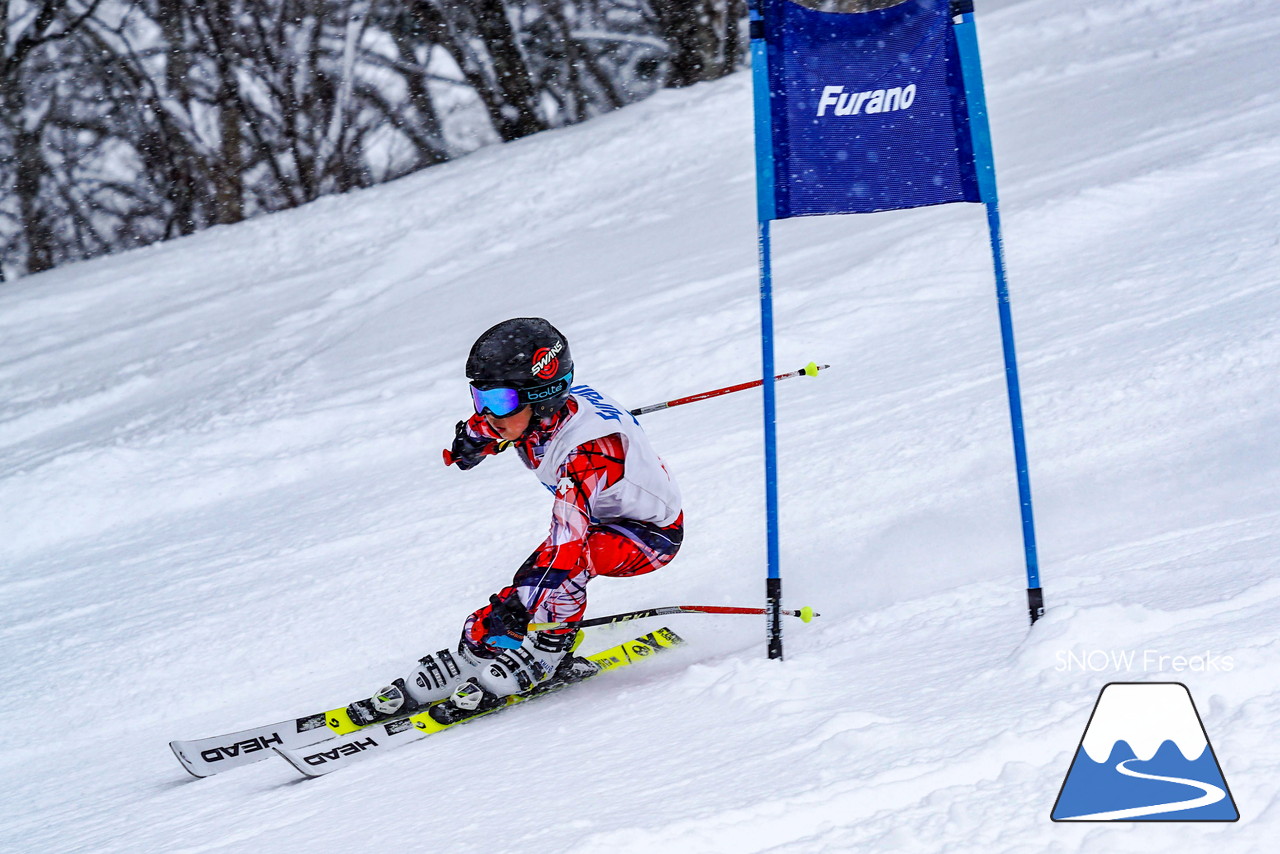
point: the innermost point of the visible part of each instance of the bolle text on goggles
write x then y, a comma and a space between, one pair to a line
503, 401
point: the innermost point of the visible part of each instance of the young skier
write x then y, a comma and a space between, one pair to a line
616, 512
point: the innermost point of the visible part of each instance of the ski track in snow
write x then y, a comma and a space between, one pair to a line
223, 503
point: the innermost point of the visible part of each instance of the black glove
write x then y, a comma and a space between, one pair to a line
467, 451
507, 623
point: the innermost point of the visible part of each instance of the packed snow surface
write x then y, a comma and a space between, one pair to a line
223, 501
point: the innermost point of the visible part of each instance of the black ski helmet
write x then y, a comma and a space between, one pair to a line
527, 354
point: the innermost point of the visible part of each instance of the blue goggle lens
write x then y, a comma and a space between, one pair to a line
501, 402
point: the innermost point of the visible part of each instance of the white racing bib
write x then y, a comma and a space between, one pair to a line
646, 493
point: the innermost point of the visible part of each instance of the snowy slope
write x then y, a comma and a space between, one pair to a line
223, 502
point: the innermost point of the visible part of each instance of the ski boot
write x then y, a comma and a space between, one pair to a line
392, 701
571, 668
467, 700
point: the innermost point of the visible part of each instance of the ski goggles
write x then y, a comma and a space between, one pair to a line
503, 401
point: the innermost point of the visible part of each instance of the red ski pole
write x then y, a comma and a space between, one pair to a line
809, 370
805, 614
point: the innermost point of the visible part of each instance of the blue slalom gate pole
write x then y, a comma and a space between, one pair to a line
971, 66
764, 215
830, 84
773, 581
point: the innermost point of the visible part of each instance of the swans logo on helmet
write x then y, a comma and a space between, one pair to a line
546, 361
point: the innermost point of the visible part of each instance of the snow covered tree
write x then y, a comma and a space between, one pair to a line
123, 122
28, 31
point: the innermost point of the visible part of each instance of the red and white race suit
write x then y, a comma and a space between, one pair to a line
616, 510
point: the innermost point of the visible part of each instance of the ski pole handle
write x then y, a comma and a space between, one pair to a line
805, 614
809, 370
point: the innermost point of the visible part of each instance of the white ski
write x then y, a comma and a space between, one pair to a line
203, 757
319, 759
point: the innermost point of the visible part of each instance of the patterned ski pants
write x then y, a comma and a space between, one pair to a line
618, 549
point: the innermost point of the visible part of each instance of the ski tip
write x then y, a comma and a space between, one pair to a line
807, 614
176, 747
301, 768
